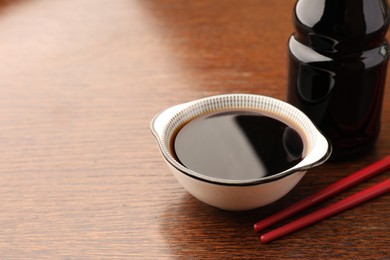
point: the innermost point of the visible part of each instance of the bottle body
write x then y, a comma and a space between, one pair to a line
337, 69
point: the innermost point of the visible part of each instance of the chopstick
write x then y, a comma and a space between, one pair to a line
345, 183
353, 200
339, 186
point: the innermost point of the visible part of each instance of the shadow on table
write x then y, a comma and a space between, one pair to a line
8, 3
192, 228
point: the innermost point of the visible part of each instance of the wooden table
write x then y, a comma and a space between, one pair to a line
81, 176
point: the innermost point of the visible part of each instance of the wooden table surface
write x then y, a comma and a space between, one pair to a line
81, 176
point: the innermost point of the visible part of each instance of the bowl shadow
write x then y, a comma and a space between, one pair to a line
194, 229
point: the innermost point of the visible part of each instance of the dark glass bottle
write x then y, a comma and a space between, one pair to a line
338, 57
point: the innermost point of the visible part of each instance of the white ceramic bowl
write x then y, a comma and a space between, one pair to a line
240, 194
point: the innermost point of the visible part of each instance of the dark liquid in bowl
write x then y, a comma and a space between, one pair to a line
237, 145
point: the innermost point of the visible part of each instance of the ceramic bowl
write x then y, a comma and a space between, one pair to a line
241, 194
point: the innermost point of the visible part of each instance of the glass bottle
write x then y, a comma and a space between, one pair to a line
338, 59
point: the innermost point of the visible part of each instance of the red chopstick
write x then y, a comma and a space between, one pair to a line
343, 184
353, 200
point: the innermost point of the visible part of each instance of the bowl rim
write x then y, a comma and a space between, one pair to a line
159, 124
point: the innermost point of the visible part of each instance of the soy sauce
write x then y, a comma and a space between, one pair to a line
237, 145
338, 59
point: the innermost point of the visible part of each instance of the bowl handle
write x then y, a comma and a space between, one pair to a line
162, 119
318, 155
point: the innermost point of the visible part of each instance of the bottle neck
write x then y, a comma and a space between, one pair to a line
341, 25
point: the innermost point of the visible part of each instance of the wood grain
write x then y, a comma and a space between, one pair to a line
81, 176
